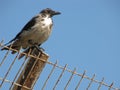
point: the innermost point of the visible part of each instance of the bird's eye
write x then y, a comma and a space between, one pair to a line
42, 19
43, 15
48, 11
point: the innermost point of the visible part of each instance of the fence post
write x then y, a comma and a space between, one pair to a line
31, 71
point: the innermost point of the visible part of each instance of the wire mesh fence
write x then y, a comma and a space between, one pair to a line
53, 76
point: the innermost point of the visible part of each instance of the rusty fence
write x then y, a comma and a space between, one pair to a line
35, 72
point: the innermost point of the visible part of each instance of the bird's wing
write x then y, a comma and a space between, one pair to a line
25, 28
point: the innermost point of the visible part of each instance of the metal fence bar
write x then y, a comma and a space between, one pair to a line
70, 79
59, 77
80, 80
8, 81
1, 43
18, 73
9, 48
100, 84
49, 75
110, 86
4, 57
90, 82
9, 69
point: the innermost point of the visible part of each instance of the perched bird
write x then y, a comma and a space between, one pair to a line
35, 32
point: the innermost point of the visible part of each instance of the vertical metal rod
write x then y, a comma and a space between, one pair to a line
1, 43
17, 73
70, 79
110, 86
9, 69
59, 77
4, 57
100, 84
80, 80
49, 75
90, 82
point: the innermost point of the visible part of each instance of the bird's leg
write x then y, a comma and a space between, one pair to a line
41, 47
36, 46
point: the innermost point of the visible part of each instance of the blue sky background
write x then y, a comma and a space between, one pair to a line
86, 35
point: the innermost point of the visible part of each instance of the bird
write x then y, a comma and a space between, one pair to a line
35, 32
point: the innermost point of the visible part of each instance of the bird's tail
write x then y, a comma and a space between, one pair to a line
6, 46
11, 46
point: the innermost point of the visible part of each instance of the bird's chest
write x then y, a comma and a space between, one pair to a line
39, 32
43, 31
46, 24
47, 21
46, 27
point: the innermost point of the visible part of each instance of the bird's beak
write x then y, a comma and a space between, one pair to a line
56, 13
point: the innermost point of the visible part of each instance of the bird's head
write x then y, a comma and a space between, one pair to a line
49, 12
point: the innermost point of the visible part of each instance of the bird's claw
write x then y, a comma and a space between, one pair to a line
39, 48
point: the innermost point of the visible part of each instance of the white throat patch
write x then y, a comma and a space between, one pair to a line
47, 21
